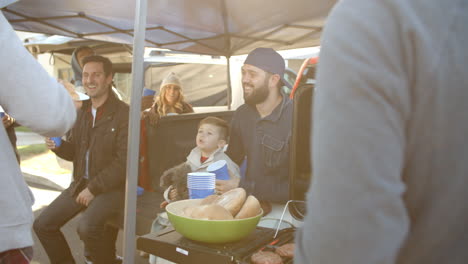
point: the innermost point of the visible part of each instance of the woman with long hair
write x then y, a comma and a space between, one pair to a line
169, 101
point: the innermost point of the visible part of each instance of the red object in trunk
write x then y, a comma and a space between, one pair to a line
306, 74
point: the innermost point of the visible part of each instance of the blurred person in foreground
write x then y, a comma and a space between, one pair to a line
98, 149
10, 123
390, 171
40, 103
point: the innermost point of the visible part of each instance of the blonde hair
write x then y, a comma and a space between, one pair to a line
163, 105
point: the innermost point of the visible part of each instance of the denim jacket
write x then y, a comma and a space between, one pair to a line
265, 144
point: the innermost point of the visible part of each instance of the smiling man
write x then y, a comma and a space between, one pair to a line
98, 148
261, 128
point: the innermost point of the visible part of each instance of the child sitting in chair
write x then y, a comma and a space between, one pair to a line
212, 137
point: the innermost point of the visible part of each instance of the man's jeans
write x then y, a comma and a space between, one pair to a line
98, 237
158, 224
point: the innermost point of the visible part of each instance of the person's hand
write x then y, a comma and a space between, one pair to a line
85, 197
223, 186
163, 204
50, 144
68, 85
7, 120
71, 90
173, 194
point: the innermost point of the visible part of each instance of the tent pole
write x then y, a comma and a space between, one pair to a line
229, 86
134, 133
227, 49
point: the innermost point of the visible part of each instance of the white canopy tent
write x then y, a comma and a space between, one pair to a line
215, 27
61, 44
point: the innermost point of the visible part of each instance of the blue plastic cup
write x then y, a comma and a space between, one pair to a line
200, 193
200, 184
57, 141
220, 169
201, 180
140, 191
148, 92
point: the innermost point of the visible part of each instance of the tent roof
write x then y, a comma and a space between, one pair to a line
66, 45
216, 27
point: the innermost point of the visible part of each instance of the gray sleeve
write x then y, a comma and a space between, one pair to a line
28, 92
355, 209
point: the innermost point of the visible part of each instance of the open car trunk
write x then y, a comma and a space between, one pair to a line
171, 245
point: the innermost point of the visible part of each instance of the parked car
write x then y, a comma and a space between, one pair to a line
306, 74
290, 77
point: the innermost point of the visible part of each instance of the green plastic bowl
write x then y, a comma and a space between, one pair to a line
209, 231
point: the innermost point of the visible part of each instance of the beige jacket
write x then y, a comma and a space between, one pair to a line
193, 159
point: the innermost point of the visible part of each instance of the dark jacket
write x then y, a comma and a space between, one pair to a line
107, 144
12, 136
186, 108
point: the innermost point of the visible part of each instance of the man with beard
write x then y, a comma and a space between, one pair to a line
261, 128
98, 149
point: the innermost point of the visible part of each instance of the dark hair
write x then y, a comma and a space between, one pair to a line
218, 122
279, 84
106, 63
81, 48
